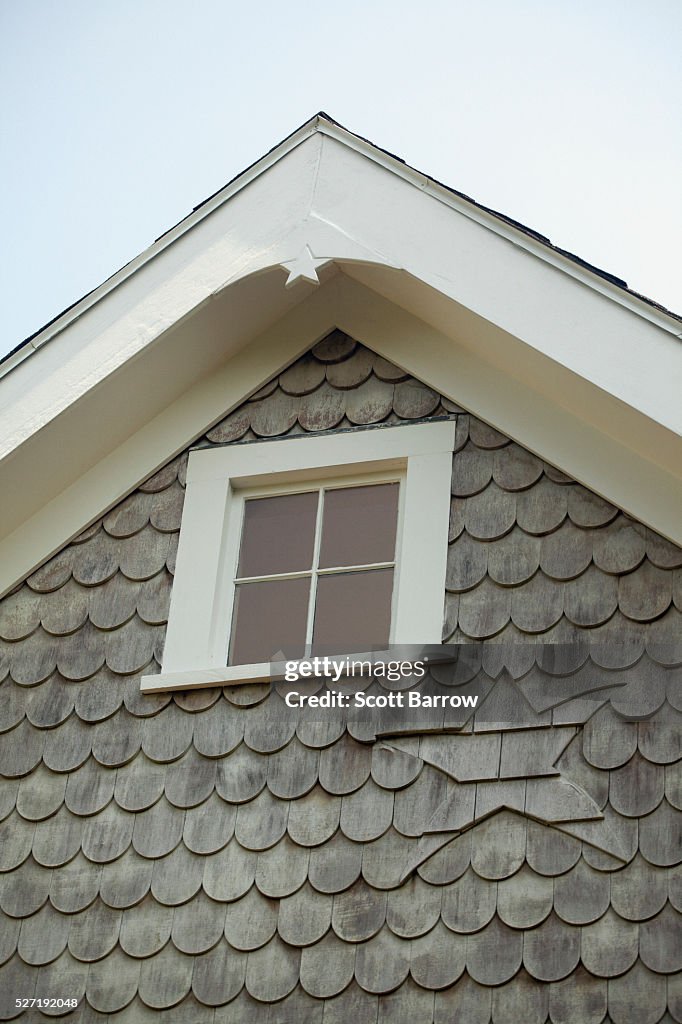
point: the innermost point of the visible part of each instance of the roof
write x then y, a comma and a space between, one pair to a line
572, 365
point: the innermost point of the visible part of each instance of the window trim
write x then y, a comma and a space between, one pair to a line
197, 635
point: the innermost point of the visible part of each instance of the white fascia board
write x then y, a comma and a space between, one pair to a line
563, 316
236, 240
516, 405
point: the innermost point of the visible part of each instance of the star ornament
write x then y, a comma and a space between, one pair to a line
304, 267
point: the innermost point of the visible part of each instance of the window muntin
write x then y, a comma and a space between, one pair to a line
315, 572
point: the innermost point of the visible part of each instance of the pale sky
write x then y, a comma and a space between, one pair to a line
118, 117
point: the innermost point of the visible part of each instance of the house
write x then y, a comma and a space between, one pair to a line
338, 377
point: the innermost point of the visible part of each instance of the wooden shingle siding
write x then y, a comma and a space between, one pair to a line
197, 858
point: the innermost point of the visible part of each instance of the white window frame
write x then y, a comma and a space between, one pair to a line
219, 479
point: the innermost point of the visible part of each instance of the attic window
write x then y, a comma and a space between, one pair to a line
315, 572
335, 542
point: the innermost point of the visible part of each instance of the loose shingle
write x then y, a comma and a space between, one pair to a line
76, 885
165, 979
660, 738
494, 954
552, 950
416, 805
43, 936
304, 917
469, 903
112, 983
219, 974
609, 946
153, 598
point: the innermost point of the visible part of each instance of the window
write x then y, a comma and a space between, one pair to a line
324, 544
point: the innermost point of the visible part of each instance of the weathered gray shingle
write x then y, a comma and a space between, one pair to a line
199, 858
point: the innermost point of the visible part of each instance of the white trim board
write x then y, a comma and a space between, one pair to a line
571, 431
197, 638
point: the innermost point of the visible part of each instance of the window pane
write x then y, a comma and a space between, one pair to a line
278, 534
269, 617
353, 611
359, 525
